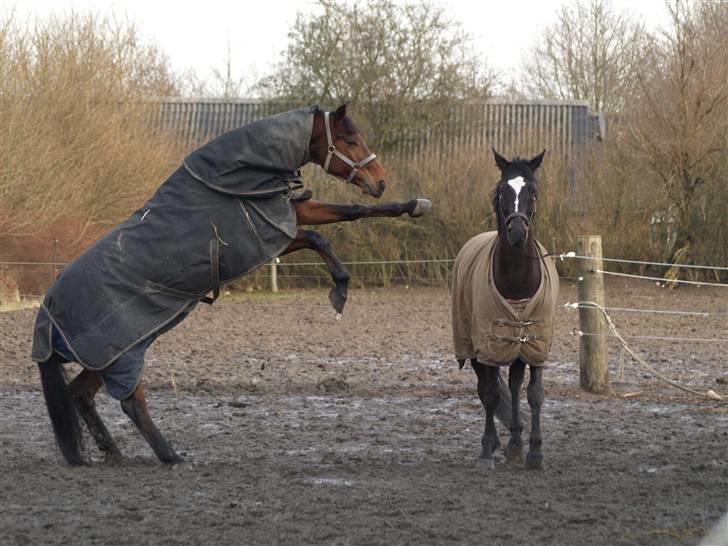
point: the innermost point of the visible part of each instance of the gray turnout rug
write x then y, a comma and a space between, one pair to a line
226, 211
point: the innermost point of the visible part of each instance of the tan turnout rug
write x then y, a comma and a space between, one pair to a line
485, 325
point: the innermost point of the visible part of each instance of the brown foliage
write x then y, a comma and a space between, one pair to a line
76, 149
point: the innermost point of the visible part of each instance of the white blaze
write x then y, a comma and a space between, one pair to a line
517, 185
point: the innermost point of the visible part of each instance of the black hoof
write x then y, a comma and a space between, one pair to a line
513, 454
486, 464
174, 459
534, 462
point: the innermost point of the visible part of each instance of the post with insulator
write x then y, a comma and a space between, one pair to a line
593, 372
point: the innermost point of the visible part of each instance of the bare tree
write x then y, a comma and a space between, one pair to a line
679, 124
397, 64
590, 53
76, 148
224, 84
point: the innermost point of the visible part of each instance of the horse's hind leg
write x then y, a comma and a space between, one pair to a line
534, 459
489, 395
514, 449
135, 406
83, 390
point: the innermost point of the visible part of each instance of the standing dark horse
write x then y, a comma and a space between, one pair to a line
230, 208
504, 296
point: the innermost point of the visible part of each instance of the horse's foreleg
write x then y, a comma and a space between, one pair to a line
489, 395
312, 212
83, 390
514, 449
534, 459
135, 406
315, 241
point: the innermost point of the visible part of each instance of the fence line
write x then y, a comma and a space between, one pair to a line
711, 394
564, 127
639, 262
661, 279
49, 264
656, 338
656, 311
562, 256
372, 262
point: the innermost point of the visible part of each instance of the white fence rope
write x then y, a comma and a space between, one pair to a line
661, 279
708, 394
372, 262
656, 338
667, 312
639, 262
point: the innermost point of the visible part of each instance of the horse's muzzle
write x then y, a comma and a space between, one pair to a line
517, 232
375, 190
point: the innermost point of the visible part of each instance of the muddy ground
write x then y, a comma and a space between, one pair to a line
301, 428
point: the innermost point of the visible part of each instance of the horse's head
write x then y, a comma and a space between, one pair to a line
515, 197
338, 146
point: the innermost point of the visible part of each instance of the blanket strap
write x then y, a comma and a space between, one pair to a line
214, 272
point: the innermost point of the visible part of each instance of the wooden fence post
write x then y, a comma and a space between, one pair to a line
593, 372
274, 275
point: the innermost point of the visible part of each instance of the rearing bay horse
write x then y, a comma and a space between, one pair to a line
228, 209
504, 296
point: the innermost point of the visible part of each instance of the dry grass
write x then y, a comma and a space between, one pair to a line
18, 305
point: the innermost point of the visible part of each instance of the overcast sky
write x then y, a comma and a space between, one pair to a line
195, 34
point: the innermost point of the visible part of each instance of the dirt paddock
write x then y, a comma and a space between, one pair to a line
300, 428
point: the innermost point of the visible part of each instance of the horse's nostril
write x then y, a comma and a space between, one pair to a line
382, 185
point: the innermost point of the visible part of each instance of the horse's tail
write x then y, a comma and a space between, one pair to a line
503, 410
63, 414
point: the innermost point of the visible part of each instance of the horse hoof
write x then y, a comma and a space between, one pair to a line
175, 459
513, 454
534, 463
113, 459
423, 207
338, 299
486, 464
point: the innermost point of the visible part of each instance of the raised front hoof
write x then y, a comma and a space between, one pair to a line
513, 454
337, 297
534, 462
422, 207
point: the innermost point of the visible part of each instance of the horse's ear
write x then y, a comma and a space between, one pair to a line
340, 113
535, 163
501, 161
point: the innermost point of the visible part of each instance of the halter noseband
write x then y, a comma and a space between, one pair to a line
513, 215
332, 151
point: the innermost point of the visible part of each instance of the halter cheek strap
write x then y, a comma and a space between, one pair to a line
332, 151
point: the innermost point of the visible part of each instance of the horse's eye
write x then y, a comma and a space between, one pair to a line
352, 143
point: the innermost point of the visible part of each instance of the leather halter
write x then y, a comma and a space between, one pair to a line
332, 151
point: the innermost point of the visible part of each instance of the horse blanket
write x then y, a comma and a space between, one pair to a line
485, 325
224, 212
